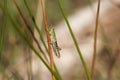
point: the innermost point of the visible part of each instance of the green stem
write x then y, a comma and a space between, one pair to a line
74, 39
31, 46
36, 27
39, 32
3, 28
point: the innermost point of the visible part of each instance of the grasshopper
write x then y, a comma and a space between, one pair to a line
54, 43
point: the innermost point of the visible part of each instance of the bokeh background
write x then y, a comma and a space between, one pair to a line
14, 62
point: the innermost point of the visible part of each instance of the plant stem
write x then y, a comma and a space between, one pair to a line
48, 38
30, 30
74, 40
31, 46
36, 27
39, 32
29, 43
95, 40
3, 28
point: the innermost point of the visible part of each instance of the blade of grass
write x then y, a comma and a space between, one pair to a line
39, 32
3, 28
105, 38
40, 35
48, 38
36, 27
95, 40
30, 30
74, 39
31, 46
29, 43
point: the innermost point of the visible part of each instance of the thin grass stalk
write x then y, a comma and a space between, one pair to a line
48, 38
102, 31
15, 25
36, 27
74, 39
95, 40
105, 39
3, 28
30, 30
31, 46
39, 32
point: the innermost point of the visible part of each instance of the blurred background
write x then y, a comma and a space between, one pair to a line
15, 62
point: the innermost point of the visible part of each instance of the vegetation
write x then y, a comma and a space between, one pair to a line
17, 26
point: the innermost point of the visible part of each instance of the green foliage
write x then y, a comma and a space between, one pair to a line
74, 40
16, 23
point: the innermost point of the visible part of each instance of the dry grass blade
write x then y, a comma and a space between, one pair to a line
30, 30
48, 38
95, 40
